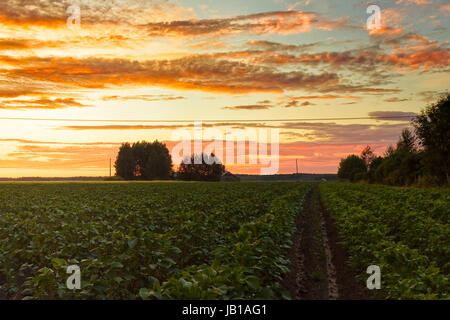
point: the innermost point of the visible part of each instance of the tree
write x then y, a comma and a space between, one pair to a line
407, 141
201, 168
432, 130
372, 169
125, 162
159, 162
401, 165
352, 168
367, 155
144, 160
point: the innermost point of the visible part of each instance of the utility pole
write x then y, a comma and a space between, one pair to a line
110, 167
296, 165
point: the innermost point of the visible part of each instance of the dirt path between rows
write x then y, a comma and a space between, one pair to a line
319, 264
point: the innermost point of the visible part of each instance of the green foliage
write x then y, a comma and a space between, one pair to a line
432, 129
352, 168
404, 231
147, 240
401, 167
418, 159
143, 160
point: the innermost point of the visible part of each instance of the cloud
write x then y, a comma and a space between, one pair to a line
445, 8
431, 95
25, 141
276, 46
416, 2
294, 102
126, 127
27, 44
41, 103
384, 30
160, 97
392, 115
249, 107
53, 13
196, 72
395, 99
424, 58
16, 92
193, 72
392, 51
209, 45
280, 22
310, 132
323, 97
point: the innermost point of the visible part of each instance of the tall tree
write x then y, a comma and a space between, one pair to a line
125, 162
432, 129
367, 155
144, 160
407, 141
159, 162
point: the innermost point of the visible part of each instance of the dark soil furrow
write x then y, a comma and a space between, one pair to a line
319, 264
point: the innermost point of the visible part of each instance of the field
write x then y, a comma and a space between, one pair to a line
147, 240
271, 240
404, 230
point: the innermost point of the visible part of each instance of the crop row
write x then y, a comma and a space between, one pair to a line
146, 240
402, 230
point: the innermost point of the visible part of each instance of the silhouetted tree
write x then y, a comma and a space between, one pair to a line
420, 156
125, 163
373, 166
159, 162
144, 160
432, 130
367, 155
407, 141
201, 168
352, 168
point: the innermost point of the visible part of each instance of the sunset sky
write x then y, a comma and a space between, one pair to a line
212, 60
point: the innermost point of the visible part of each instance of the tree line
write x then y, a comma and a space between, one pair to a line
421, 155
152, 161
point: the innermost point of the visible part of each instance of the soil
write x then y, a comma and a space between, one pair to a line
320, 268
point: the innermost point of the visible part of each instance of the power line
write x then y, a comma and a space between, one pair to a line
207, 121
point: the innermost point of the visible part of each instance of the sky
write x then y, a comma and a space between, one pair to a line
228, 61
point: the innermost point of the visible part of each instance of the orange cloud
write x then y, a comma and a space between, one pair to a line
281, 22
42, 103
445, 8
160, 97
196, 72
383, 30
417, 2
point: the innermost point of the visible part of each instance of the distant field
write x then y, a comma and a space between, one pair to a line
152, 240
